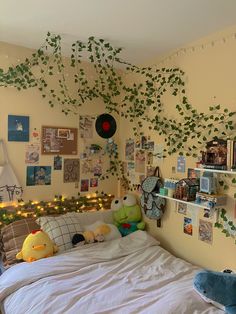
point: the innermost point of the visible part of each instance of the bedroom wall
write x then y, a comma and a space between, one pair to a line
210, 69
30, 103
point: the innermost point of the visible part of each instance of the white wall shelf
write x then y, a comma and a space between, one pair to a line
216, 171
202, 205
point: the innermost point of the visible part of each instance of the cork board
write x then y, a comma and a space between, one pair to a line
59, 140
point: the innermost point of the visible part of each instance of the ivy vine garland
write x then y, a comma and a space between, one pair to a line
142, 103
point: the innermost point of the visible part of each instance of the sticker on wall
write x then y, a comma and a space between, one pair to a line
71, 170
182, 208
84, 185
209, 213
181, 162
93, 182
57, 163
38, 175
188, 227
86, 126
205, 231
193, 212
32, 154
129, 149
18, 128
140, 161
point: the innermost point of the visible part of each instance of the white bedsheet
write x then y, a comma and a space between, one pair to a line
128, 275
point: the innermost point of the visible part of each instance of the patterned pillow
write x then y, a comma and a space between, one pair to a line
12, 237
60, 229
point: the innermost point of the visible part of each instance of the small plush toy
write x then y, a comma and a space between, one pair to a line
127, 214
78, 239
89, 237
217, 288
37, 245
100, 232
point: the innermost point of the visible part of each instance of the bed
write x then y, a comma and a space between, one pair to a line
132, 274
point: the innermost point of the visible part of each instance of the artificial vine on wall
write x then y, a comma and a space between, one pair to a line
141, 103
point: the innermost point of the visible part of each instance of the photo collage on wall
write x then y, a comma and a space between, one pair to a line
142, 156
204, 228
58, 142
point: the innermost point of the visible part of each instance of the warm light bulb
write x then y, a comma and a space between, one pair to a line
42, 209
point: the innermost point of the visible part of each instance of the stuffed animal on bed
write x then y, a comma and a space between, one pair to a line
37, 245
218, 288
89, 236
127, 214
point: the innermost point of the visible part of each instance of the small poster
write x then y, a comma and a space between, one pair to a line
158, 153
149, 158
182, 208
71, 170
150, 146
32, 154
150, 171
87, 166
84, 185
188, 227
97, 168
140, 161
93, 182
144, 142
181, 162
86, 126
35, 136
129, 149
18, 128
38, 175
130, 166
193, 174
57, 163
205, 231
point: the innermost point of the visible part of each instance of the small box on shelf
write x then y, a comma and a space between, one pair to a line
213, 200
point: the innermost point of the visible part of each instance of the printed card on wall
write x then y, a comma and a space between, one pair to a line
71, 170
181, 162
158, 153
129, 149
84, 185
86, 126
38, 175
140, 161
205, 231
149, 158
35, 136
93, 182
87, 166
97, 168
193, 174
188, 227
182, 208
144, 142
32, 154
57, 163
150, 146
18, 128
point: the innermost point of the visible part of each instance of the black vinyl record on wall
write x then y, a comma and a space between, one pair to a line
105, 125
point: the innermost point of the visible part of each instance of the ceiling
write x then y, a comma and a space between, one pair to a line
143, 28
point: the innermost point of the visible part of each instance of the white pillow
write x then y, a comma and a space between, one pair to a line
60, 229
88, 218
112, 235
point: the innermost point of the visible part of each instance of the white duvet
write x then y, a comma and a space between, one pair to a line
128, 275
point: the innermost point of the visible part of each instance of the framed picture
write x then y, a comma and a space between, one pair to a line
38, 175
18, 128
63, 133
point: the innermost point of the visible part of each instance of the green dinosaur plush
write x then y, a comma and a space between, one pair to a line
127, 214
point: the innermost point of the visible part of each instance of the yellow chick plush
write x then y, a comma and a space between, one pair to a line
37, 245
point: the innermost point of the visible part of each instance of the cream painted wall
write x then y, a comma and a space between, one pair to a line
31, 103
210, 79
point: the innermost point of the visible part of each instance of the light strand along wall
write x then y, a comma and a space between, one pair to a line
30, 103
210, 79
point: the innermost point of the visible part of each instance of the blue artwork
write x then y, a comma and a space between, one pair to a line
18, 128
181, 162
38, 175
